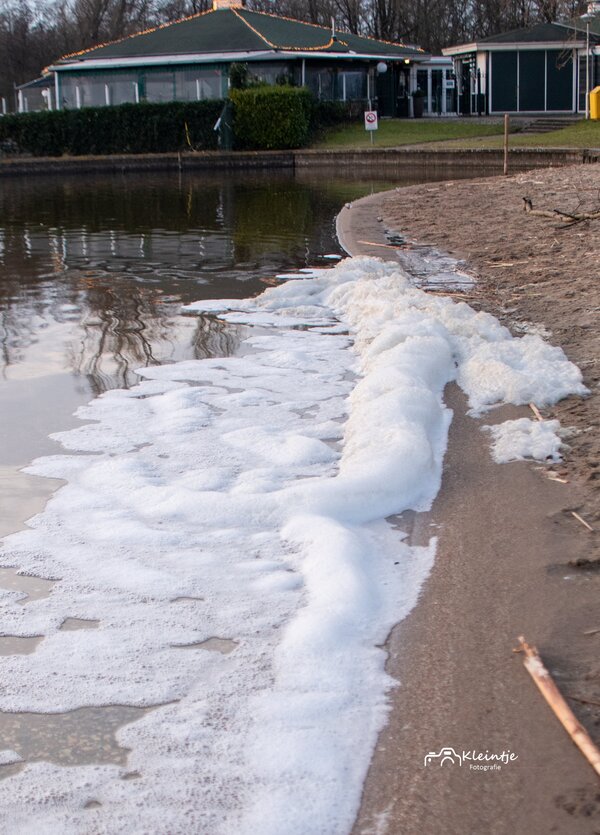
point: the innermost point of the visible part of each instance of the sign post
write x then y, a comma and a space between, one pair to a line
371, 122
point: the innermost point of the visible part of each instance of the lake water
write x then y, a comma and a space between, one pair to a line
93, 273
94, 270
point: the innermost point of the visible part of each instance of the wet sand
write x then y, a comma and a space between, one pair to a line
506, 536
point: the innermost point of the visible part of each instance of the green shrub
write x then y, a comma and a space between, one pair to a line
328, 114
124, 129
267, 118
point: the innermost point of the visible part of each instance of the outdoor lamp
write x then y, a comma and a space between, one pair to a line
381, 67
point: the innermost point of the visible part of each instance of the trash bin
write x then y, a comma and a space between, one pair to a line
595, 103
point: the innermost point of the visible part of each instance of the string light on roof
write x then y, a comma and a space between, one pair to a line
332, 40
316, 26
148, 31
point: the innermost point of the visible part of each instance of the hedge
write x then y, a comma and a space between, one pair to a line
267, 118
123, 129
264, 118
328, 114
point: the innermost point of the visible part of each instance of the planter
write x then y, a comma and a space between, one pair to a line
418, 106
402, 107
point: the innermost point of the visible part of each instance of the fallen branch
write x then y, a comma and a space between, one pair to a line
558, 214
582, 520
545, 684
436, 288
385, 246
592, 631
536, 412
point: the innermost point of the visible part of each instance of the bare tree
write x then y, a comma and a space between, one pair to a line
31, 36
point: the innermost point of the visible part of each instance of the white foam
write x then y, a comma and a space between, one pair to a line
8, 757
516, 440
258, 484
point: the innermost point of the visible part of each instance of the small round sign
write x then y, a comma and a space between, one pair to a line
371, 120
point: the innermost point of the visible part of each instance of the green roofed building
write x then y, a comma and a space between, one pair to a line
547, 68
191, 59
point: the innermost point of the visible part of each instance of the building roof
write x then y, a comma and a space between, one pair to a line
42, 82
543, 33
540, 36
239, 30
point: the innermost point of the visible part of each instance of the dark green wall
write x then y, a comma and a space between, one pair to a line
504, 81
532, 80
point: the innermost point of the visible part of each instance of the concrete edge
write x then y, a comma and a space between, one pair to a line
485, 158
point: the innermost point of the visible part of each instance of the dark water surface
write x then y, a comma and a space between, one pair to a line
94, 270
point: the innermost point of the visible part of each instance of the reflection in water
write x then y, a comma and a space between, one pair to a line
215, 338
119, 332
93, 273
78, 737
94, 270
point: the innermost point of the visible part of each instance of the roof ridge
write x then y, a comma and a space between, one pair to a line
340, 31
525, 29
252, 29
329, 43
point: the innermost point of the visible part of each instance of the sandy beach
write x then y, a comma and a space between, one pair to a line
235, 555
512, 559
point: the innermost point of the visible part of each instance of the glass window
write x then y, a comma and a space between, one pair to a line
504, 81
37, 98
352, 86
160, 86
437, 90
423, 84
532, 66
559, 71
198, 84
270, 72
92, 90
320, 82
450, 85
123, 89
594, 71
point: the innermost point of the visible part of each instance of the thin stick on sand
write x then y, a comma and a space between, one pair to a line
545, 683
385, 246
582, 520
536, 412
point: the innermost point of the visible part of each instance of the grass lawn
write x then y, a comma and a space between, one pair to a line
458, 133
393, 132
581, 135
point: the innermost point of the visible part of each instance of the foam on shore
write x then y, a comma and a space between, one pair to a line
245, 498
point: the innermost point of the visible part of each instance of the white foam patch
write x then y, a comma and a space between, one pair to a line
258, 484
516, 440
8, 757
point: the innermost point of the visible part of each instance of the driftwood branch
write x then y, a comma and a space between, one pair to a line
545, 684
582, 521
559, 214
536, 412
